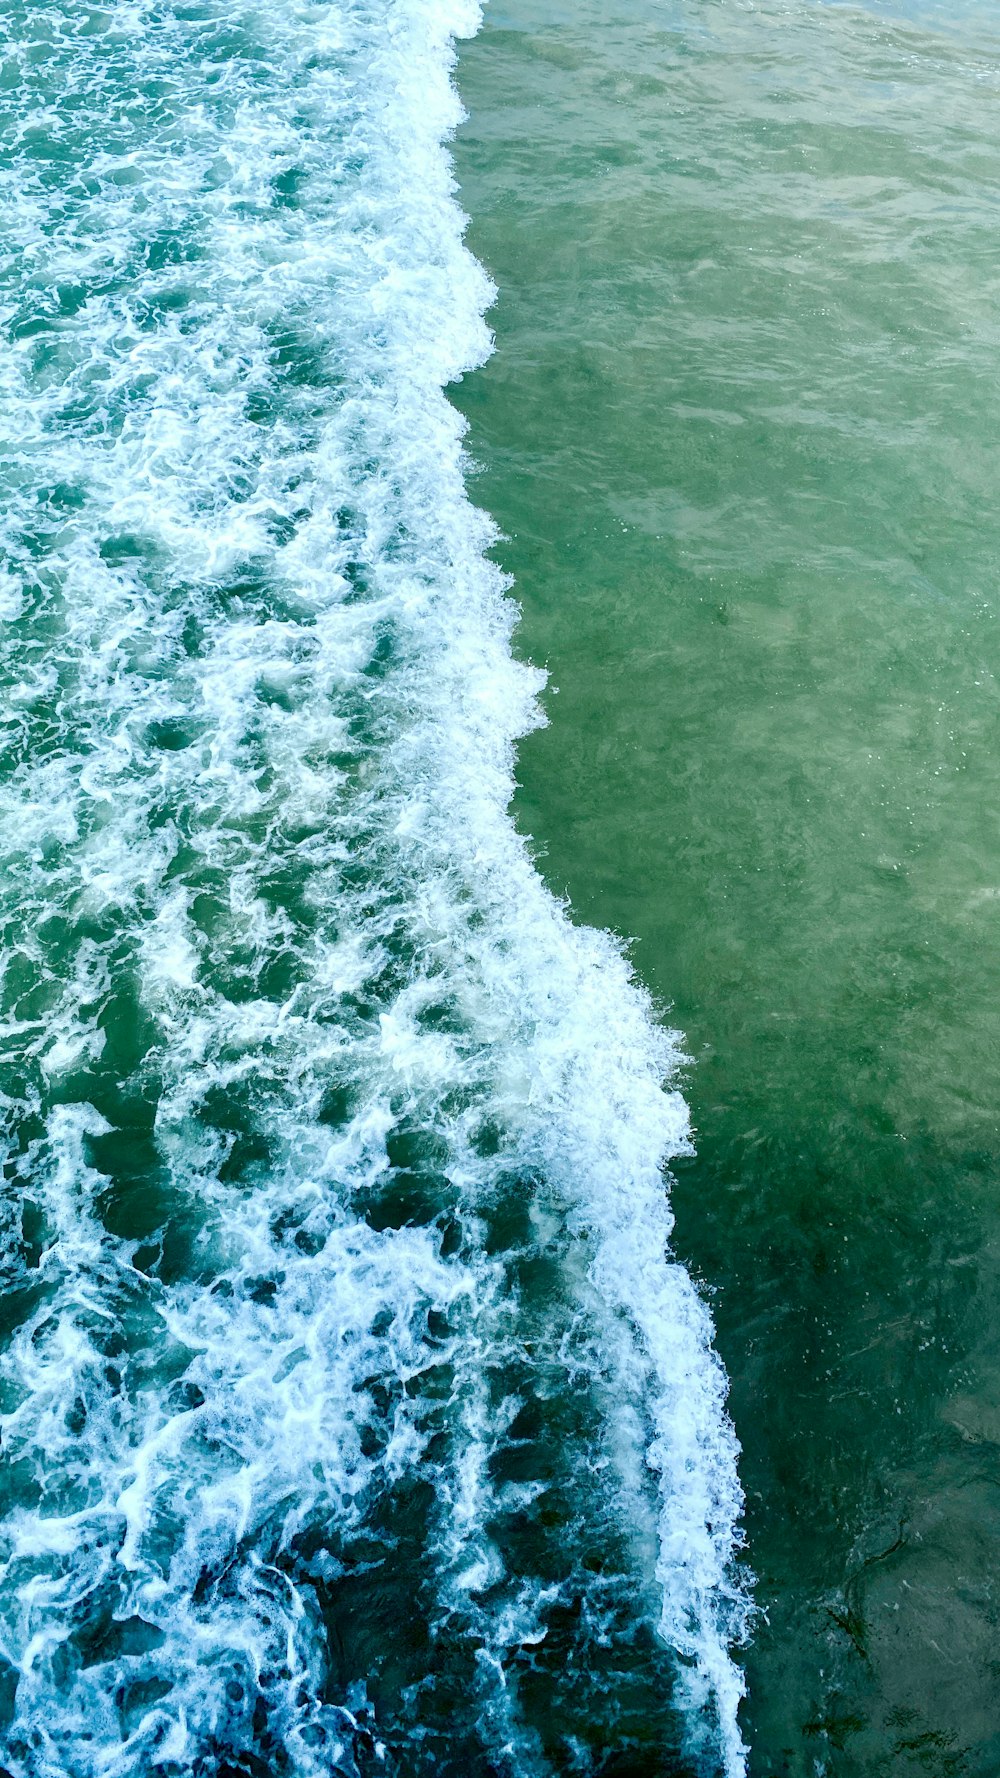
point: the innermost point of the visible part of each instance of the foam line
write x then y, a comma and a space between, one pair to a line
305, 1070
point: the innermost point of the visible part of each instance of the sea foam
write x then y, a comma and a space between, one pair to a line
349, 1388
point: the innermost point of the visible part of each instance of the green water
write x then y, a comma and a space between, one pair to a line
742, 431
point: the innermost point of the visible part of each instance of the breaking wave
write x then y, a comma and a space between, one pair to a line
355, 1417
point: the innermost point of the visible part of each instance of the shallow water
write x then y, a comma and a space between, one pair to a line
355, 1418
742, 432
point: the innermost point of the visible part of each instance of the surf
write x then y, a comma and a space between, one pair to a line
356, 1415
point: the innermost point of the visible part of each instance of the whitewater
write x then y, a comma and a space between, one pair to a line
356, 1416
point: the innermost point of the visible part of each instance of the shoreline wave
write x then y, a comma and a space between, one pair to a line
322, 1074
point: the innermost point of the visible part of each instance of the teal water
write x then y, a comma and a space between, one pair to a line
355, 1415
741, 433
363, 1408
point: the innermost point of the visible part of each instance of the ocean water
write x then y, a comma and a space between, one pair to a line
742, 434
356, 1415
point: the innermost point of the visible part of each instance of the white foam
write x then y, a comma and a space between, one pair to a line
256, 841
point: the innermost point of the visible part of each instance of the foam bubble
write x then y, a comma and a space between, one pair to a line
355, 1416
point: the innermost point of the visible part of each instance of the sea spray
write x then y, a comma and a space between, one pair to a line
354, 1418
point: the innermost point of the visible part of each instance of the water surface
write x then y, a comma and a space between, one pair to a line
742, 430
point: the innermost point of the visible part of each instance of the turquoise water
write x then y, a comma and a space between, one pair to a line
363, 1408
741, 433
355, 1415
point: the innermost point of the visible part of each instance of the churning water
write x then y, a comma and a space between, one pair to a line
354, 1417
